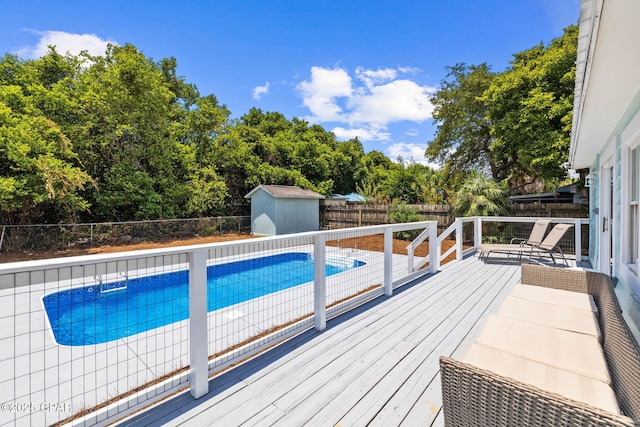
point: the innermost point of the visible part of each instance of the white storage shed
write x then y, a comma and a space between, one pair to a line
282, 209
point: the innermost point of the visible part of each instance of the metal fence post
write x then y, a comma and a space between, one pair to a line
319, 282
198, 334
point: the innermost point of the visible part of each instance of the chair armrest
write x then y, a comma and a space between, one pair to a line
558, 278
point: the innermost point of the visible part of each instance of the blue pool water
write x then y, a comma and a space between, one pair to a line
97, 314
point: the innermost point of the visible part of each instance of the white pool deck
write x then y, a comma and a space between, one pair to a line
376, 365
34, 369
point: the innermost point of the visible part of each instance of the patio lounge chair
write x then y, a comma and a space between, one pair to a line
535, 238
548, 246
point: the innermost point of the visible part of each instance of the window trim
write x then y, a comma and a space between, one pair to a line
631, 205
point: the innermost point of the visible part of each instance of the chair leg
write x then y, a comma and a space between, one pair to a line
563, 257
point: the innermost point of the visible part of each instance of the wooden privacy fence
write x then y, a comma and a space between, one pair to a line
334, 216
360, 215
552, 210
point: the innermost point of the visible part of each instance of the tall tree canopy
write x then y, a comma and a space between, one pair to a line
40, 174
531, 110
463, 135
511, 125
123, 137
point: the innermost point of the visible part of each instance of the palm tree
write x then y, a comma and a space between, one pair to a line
481, 196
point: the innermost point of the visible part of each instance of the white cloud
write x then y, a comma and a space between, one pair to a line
367, 104
396, 101
410, 70
258, 91
361, 133
371, 77
410, 151
65, 43
319, 94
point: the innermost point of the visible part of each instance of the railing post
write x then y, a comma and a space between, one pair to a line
410, 259
578, 239
434, 248
477, 232
319, 282
198, 333
459, 239
388, 261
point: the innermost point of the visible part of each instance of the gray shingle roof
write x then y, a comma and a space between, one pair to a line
287, 191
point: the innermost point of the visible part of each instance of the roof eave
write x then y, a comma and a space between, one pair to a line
590, 11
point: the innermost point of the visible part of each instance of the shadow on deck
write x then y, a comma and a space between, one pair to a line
375, 365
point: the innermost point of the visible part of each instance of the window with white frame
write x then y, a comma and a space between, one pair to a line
634, 206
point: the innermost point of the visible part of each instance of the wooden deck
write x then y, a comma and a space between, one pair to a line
376, 365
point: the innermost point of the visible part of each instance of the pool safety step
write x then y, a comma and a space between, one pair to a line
120, 285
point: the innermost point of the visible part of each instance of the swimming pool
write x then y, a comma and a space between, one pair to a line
105, 312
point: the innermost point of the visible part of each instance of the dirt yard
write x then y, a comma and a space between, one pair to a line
372, 243
27, 256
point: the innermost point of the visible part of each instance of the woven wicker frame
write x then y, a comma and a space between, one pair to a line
476, 397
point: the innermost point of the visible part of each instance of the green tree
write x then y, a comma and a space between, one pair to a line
512, 125
463, 135
413, 183
480, 196
38, 177
402, 212
531, 108
348, 166
376, 167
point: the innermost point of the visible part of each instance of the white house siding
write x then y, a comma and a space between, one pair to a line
628, 290
606, 126
629, 137
630, 279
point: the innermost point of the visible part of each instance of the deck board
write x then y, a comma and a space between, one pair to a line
376, 365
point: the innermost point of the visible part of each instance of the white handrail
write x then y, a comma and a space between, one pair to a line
431, 233
76, 271
457, 227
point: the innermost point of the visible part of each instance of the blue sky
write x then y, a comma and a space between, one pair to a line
358, 68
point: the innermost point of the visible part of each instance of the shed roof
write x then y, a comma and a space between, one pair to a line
286, 192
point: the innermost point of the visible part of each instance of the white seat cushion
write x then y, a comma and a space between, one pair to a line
571, 351
555, 296
577, 387
551, 315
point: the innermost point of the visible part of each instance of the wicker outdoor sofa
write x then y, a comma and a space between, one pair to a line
479, 397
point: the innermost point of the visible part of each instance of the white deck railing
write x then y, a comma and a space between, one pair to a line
45, 382
148, 365
575, 240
